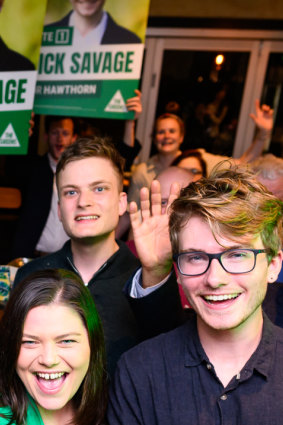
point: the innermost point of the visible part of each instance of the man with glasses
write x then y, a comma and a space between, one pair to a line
224, 366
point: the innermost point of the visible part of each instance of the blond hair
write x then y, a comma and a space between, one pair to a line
234, 204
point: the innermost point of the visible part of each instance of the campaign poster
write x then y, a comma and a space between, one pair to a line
91, 57
21, 23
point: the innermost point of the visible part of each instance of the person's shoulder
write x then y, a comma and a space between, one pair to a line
56, 260
116, 34
6, 411
126, 253
64, 22
14, 61
163, 345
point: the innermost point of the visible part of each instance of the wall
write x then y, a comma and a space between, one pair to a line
248, 9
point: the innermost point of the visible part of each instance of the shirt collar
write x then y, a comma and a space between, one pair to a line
263, 358
93, 37
261, 361
194, 353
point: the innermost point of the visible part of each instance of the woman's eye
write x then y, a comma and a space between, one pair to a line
28, 342
67, 341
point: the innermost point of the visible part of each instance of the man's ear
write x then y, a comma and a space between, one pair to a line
274, 267
122, 203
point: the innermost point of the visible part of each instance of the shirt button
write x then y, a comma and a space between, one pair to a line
223, 397
208, 366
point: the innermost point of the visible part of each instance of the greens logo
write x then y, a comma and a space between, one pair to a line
9, 138
116, 104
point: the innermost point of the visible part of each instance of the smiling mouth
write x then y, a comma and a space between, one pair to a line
220, 298
167, 142
50, 382
87, 217
50, 376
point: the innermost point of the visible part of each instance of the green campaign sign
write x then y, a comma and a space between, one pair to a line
16, 101
88, 73
19, 51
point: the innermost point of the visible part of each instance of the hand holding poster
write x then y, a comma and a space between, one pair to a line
89, 64
19, 52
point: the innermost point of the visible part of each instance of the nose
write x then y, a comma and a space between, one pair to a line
216, 276
85, 199
60, 136
48, 355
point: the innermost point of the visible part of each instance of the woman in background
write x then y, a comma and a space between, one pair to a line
192, 161
168, 137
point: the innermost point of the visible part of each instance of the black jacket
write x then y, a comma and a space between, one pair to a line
35, 209
13, 61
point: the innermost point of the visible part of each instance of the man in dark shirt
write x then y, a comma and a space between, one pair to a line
224, 366
90, 188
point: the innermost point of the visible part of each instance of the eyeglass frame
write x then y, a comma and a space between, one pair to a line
218, 257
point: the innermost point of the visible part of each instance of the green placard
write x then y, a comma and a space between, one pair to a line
14, 128
90, 72
21, 23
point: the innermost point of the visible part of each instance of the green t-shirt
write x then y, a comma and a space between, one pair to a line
33, 415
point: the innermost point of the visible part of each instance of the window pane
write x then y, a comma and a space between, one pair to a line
209, 95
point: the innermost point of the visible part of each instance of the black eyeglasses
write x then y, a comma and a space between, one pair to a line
233, 261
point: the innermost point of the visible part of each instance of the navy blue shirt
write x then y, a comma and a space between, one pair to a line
169, 380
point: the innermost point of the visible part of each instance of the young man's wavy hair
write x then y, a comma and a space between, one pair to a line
234, 204
92, 147
40, 289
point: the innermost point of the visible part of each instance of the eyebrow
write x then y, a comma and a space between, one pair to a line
223, 249
57, 337
73, 185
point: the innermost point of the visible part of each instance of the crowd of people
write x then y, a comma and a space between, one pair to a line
178, 322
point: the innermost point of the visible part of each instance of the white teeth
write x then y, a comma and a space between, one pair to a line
87, 217
220, 297
48, 376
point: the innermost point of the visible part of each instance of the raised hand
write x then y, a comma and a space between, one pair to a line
134, 104
263, 117
151, 233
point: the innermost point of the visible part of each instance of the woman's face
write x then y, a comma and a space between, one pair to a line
54, 355
168, 136
193, 165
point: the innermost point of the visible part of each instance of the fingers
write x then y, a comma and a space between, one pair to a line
31, 124
145, 203
174, 193
257, 106
134, 215
134, 104
253, 117
155, 198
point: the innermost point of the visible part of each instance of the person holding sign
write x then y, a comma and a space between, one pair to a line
52, 354
92, 25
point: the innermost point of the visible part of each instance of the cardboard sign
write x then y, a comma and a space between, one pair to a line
19, 53
91, 73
